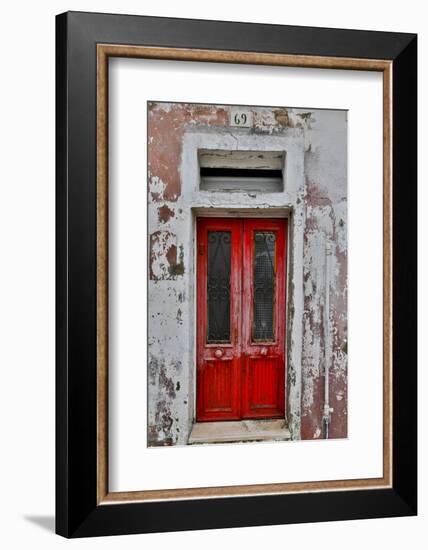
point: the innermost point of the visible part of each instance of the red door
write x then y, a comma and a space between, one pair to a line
241, 269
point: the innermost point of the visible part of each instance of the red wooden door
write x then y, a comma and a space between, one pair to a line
263, 319
219, 275
241, 268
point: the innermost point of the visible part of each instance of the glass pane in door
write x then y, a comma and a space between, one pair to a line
264, 286
218, 287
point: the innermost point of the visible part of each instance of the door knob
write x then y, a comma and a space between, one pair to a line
263, 351
219, 353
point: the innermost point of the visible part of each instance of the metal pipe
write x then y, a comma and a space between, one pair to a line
327, 340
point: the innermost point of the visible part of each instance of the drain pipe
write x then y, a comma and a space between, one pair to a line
327, 341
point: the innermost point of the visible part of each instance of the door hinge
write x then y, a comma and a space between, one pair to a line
201, 250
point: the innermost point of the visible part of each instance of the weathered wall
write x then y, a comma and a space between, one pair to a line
315, 198
326, 219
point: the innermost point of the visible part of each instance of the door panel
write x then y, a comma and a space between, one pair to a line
219, 383
240, 319
265, 378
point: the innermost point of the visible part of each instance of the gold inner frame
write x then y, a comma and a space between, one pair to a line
104, 51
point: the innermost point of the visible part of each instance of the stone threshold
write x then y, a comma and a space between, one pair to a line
239, 431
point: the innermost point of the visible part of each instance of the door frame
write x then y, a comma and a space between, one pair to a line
288, 204
243, 213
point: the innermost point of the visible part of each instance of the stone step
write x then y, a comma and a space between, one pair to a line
239, 431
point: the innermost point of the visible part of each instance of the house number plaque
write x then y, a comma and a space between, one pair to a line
242, 118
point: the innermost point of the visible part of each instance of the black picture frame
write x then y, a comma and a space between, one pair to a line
77, 511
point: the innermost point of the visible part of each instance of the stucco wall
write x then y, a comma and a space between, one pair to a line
314, 198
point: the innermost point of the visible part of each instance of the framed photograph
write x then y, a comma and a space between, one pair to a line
236, 274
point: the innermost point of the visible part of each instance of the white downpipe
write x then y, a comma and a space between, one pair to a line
327, 339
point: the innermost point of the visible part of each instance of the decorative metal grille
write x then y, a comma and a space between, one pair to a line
264, 286
218, 287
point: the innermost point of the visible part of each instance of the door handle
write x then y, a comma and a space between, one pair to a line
264, 351
219, 353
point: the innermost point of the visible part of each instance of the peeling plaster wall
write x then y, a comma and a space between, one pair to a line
315, 196
326, 219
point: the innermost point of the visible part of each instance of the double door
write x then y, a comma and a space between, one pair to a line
241, 273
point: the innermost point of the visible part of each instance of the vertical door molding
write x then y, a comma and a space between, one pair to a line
294, 316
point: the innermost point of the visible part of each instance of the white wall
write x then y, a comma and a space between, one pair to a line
27, 272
